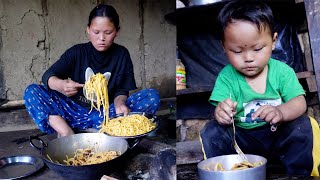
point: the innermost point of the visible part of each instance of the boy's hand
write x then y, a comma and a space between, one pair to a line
269, 114
225, 111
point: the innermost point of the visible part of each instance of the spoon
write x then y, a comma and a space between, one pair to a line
236, 147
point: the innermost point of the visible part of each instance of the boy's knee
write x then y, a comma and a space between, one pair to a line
209, 130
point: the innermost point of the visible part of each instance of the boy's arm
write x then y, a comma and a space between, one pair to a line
293, 108
282, 113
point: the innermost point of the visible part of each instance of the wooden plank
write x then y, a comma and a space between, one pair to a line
307, 52
312, 84
313, 18
12, 104
189, 152
193, 90
305, 74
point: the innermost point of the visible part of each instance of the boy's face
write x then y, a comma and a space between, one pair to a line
247, 48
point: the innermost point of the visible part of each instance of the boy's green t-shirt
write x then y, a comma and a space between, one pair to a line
282, 85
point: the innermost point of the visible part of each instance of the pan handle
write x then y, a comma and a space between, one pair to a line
32, 138
132, 142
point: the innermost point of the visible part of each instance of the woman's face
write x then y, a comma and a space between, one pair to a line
102, 33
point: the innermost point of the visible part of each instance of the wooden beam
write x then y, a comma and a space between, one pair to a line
12, 104
305, 74
313, 18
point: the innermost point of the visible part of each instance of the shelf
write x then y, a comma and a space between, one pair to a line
205, 14
193, 90
193, 13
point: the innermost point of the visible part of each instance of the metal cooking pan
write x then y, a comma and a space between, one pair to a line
15, 167
57, 150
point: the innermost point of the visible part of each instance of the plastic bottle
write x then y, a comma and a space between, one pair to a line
181, 80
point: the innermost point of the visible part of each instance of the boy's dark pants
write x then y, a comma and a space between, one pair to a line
291, 143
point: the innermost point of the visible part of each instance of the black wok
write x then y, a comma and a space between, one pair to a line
57, 150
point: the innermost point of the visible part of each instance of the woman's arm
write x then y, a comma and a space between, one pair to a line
120, 104
66, 86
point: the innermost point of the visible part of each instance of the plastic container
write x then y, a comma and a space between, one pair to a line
181, 80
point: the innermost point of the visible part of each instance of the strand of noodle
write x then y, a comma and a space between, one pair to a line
49, 158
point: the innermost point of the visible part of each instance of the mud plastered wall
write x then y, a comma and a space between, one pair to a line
34, 34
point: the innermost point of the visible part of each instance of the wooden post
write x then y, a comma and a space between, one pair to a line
313, 18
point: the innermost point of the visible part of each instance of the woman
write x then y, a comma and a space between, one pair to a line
60, 104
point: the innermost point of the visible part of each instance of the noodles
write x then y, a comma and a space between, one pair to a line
245, 165
218, 167
97, 90
89, 156
238, 166
131, 125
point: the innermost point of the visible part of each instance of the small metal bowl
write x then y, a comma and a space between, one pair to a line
206, 172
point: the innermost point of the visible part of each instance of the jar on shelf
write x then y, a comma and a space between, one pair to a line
181, 80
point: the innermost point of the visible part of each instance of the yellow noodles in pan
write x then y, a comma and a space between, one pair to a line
89, 156
130, 125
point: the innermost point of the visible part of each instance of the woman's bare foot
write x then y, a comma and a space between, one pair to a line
60, 125
65, 134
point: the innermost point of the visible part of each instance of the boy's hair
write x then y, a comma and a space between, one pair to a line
254, 11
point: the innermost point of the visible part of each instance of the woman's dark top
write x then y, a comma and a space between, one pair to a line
74, 62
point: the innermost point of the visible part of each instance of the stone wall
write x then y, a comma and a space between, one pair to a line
34, 33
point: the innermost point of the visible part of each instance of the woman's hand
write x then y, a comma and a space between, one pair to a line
225, 111
67, 87
120, 105
122, 109
70, 88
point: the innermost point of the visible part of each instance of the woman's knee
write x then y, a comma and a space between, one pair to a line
31, 88
153, 93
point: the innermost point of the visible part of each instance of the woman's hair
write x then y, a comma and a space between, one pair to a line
108, 11
254, 11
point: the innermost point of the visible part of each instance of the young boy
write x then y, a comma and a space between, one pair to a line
261, 95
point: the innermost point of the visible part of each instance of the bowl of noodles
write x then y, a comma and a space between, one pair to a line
133, 127
232, 167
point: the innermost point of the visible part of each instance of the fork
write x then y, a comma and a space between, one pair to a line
236, 147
